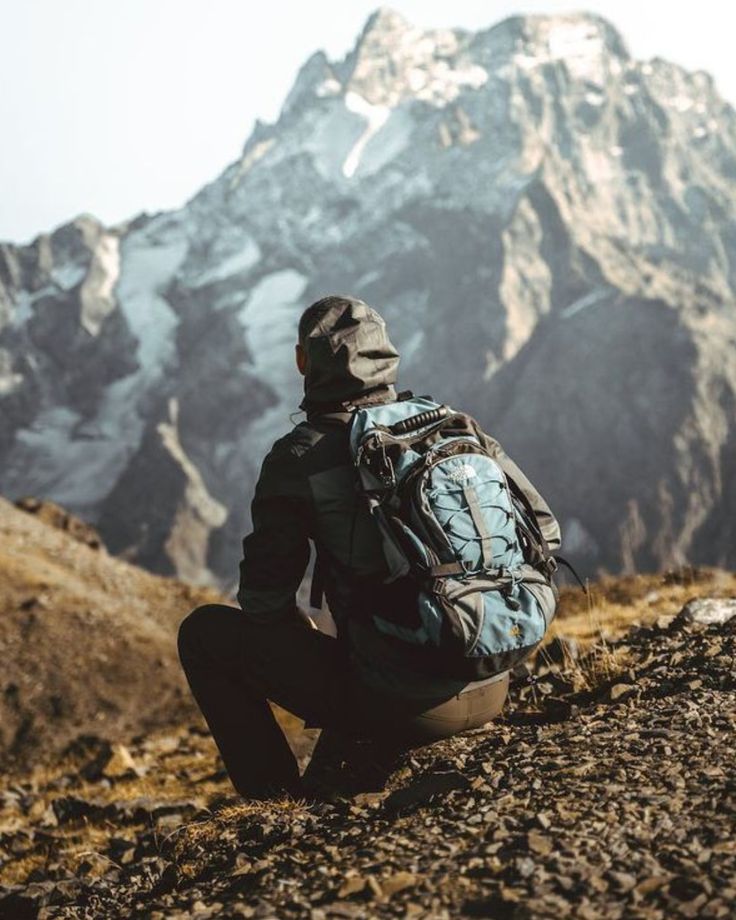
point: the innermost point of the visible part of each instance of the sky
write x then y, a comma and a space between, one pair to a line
112, 108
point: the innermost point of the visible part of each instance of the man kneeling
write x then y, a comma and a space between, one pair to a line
434, 552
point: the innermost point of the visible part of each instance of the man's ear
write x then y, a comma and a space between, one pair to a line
301, 359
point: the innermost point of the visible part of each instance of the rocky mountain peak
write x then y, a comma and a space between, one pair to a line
394, 60
384, 26
565, 37
394, 63
379, 41
310, 81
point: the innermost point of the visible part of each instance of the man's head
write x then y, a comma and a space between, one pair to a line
307, 322
344, 352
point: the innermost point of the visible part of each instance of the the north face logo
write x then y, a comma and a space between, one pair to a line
462, 473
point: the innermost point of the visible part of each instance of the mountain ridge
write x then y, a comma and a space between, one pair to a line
528, 200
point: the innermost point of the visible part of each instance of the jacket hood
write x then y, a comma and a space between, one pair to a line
349, 357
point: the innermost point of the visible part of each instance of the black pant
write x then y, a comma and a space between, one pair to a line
234, 666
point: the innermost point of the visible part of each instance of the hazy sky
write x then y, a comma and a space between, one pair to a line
118, 106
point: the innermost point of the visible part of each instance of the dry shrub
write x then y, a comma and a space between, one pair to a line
584, 658
598, 667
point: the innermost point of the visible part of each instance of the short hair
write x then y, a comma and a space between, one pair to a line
314, 313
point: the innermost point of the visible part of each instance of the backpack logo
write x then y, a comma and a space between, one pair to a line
462, 474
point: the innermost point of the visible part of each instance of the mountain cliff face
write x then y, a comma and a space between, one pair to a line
548, 225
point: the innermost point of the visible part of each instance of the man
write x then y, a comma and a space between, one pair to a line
360, 683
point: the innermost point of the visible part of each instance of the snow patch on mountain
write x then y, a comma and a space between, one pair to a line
332, 138
67, 276
149, 266
270, 318
47, 460
387, 143
236, 263
77, 460
23, 307
375, 117
329, 87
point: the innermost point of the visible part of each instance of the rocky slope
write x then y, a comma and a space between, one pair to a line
548, 216
87, 642
616, 801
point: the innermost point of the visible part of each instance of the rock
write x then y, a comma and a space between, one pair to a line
100, 758
23, 903
120, 763
539, 843
118, 846
148, 809
70, 808
650, 884
624, 880
352, 886
425, 789
561, 650
708, 611
375, 887
619, 691
49, 817
391, 884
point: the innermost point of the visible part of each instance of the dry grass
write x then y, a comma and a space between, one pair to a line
174, 768
614, 604
598, 666
193, 843
588, 623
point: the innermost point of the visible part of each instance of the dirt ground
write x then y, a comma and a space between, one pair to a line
605, 790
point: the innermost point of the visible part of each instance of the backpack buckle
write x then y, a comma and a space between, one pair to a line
382, 467
386, 472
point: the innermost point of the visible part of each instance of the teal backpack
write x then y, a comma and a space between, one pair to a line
469, 592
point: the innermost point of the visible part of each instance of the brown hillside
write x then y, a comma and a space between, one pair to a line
87, 641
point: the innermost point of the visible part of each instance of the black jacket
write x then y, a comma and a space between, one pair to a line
306, 488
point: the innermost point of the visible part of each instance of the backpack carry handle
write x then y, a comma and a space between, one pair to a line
418, 421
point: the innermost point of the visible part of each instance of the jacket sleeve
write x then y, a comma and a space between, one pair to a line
548, 523
276, 553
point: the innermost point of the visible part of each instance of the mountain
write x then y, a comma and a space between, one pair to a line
548, 226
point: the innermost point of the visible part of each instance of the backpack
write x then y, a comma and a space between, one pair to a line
469, 590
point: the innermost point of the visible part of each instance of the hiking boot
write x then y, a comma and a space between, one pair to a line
343, 766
